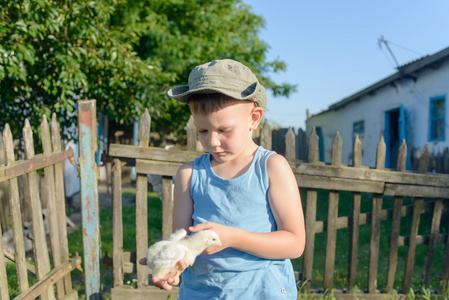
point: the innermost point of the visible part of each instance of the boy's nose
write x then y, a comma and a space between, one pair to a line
214, 140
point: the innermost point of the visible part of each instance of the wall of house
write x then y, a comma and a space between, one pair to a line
413, 95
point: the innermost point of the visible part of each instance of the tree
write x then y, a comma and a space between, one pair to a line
124, 54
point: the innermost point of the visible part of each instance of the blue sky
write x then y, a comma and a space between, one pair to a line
331, 46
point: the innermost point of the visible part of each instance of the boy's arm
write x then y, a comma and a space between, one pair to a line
285, 202
183, 203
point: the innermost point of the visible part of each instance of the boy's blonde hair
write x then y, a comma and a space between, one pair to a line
208, 103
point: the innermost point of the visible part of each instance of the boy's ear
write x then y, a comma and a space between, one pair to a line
256, 117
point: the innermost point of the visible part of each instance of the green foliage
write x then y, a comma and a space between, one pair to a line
125, 54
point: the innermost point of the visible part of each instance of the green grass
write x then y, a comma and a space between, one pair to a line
342, 249
13, 285
341, 261
129, 233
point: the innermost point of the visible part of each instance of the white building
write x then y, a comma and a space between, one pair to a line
409, 104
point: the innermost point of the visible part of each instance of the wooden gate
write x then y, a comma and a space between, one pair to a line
312, 176
24, 204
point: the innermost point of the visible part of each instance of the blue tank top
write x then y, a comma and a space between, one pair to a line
240, 202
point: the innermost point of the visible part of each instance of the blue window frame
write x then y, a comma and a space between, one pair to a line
437, 119
359, 129
319, 132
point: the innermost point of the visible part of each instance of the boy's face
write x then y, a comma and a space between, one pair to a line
227, 132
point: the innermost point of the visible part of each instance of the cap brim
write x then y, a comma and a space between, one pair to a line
182, 92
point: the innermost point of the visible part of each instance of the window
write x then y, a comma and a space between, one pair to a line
359, 129
437, 118
319, 132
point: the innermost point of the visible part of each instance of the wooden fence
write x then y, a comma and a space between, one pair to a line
438, 161
24, 203
311, 177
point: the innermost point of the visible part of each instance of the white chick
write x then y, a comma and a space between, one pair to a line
163, 256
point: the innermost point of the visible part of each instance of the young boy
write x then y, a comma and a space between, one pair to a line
246, 194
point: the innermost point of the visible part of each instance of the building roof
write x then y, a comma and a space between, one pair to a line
408, 70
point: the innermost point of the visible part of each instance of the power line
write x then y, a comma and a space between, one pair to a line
382, 41
419, 96
405, 48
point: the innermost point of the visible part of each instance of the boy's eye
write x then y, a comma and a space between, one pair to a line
202, 131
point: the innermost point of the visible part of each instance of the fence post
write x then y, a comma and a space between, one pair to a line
290, 145
310, 216
396, 223
417, 210
376, 223
89, 196
354, 219
42, 259
3, 276
142, 205
265, 136
16, 216
332, 216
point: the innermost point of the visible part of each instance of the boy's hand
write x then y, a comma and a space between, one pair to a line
170, 279
224, 233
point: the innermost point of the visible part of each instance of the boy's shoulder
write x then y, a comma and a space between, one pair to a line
276, 163
185, 169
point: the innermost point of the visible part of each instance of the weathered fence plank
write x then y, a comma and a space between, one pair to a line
51, 203
167, 206
89, 197
332, 215
156, 167
374, 175
290, 145
193, 144
39, 161
25, 204
40, 243
14, 204
142, 205
410, 261
354, 220
310, 216
417, 210
55, 275
444, 274
265, 136
60, 200
327, 182
4, 208
375, 224
396, 224
117, 225
4, 293
434, 232
157, 154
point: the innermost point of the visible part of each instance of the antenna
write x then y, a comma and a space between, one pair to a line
383, 41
